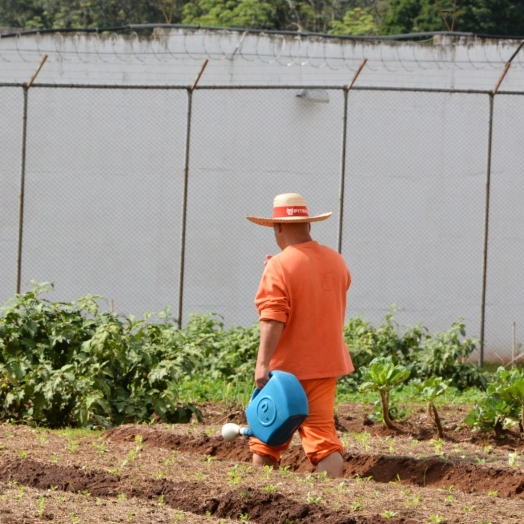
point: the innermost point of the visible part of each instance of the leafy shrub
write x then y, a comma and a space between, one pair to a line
72, 364
445, 355
442, 355
503, 402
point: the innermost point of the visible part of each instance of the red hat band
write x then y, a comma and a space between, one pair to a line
290, 211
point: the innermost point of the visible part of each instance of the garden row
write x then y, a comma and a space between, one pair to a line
76, 364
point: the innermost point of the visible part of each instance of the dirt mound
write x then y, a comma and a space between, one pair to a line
187, 496
427, 472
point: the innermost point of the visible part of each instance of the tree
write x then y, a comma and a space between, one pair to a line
356, 21
230, 13
80, 14
408, 16
495, 17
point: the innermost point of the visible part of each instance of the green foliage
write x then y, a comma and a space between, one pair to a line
366, 342
355, 17
382, 375
503, 402
441, 354
56, 14
72, 364
495, 17
429, 390
356, 22
230, 13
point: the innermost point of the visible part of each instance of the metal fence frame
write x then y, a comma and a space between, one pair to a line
25, 88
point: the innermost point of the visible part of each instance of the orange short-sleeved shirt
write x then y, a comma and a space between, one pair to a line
305, 287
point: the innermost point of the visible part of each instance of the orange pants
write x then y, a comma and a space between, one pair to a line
317, 432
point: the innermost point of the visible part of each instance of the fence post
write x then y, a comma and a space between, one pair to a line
184, 204
26, 87
486, 219
486, 233
344, 149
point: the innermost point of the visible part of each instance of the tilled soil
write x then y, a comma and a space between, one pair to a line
170, 473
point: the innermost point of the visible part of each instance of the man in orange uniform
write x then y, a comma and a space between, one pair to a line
301, 302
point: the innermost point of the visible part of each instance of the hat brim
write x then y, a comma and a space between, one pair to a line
270, 222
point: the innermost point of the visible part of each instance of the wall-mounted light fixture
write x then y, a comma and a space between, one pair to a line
314, 95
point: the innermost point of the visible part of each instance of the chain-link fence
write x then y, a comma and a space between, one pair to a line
140, 195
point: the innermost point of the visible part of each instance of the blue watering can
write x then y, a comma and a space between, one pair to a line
275, 412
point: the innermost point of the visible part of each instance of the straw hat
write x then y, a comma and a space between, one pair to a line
289, 207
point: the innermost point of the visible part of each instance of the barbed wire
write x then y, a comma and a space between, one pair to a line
285, 50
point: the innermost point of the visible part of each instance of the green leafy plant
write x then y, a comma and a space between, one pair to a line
429, 390
76, 365
446, 355
311, 499
366, 342
383, 375
503, 402
389, 514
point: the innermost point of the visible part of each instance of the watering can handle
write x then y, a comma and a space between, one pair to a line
257, 391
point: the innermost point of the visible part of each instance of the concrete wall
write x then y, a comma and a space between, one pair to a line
105, 172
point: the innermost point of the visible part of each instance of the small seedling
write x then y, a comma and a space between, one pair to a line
234, 476
284, 471
396, 481
243, 517
355, 506
389, 514
41, 436
267, 471
359, 479
161, 500
391, 443
493, 493
309, 480
199, 475
73, 444
322, 476
413, 501
436, 519
22, 454
363, 439
311, 499
100, 448
437, 444
41, 506
270, 488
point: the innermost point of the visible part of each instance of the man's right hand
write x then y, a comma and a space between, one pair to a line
261, 375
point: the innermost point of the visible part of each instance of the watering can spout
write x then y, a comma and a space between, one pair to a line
231, 431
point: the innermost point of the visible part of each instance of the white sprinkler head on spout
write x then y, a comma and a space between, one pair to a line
231, 431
